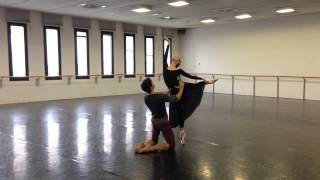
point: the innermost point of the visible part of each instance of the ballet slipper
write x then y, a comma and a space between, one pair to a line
139, 148
145, 149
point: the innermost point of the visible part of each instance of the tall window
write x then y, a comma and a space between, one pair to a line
129, 47
52, 52
149, 55
82, 53
107, 54
165, 44
18, 51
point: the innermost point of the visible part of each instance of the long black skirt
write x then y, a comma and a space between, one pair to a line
190, 100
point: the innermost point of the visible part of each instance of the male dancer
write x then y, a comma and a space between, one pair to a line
160, 122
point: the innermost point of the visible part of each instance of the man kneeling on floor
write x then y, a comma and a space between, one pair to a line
160, 122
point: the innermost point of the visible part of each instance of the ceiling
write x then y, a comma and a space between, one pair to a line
183, 17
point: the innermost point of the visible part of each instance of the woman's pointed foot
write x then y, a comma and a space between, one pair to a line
182, 137
212, 81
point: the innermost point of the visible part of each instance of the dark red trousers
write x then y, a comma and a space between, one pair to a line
167, 133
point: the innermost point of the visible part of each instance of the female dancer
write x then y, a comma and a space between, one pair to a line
192, 95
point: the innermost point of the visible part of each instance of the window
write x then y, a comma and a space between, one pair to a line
149, 56
129, 51
18, 51
165, 44
52, 52
107, 54
82, 53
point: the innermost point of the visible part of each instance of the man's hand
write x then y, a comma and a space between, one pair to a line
181, 87
181, 84
168, 92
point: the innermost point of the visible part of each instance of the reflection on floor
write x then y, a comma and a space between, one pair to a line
228, 137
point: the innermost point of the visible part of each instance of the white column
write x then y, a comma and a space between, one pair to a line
140, 50
35, 45
4, 60
95, 48
119, 49
67, 47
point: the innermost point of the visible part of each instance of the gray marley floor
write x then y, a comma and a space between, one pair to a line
236, 138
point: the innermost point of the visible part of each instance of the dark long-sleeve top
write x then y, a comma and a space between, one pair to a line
172, 77
156, 104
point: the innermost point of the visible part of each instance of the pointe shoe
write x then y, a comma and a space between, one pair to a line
182, 138
212, 81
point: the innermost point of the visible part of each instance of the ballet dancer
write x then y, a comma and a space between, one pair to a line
192, 95
156, 103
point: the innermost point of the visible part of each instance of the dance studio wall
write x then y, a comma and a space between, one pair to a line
27, 91
288, 46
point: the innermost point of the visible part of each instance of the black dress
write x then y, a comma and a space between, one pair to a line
191, 97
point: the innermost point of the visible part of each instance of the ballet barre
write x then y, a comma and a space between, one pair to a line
120, 77
70, 78
255, 77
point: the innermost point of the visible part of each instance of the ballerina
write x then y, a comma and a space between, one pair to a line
192, 94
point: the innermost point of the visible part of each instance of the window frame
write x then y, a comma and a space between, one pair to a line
45, 52
24, 25
76, 51
171, 49
145, 56
112, 50
125, 56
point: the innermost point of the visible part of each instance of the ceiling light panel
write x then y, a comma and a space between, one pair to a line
285, 10
207, 21
141, 10
243, 16
178, 3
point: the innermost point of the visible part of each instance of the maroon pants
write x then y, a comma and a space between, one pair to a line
167, 133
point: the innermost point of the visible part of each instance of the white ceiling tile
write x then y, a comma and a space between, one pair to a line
189, 16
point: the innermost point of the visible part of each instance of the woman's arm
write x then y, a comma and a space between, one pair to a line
165, 56
182, 72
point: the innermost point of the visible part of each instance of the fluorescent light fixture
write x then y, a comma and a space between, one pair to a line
285, 10
167, 17
178, 3
155, 14
83, 4
243, 16
142, 10
103, 6
207, 21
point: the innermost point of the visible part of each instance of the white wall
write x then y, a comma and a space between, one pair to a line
288, 46
14, 92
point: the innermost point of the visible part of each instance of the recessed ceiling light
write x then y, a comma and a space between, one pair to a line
155, 14
103, 6
207, 21
243, 16
90, 5
141, 10
285, 10
178, 3
168, 18
227, 10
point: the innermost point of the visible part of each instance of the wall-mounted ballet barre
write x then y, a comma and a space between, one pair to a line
233, 77
69, 78
254, 78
